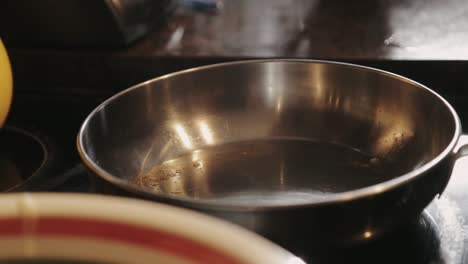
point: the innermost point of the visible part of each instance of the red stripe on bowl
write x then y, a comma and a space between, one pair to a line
11, 226
121, 232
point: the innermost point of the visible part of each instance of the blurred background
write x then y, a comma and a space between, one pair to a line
110, 44
68, 56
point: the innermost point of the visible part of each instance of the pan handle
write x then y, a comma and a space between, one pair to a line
458, 168
461, 149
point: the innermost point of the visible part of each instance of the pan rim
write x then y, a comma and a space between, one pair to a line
333, 198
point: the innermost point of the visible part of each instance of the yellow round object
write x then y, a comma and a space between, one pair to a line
6, 84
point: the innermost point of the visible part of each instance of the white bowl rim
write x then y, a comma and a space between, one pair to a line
221, 236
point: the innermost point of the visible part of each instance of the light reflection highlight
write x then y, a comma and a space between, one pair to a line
184, 137
367, 234
294, 260
279, 104
282, 173
379, 189
197, 162
175, 39
206, 132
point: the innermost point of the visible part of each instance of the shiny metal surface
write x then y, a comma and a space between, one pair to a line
386, 123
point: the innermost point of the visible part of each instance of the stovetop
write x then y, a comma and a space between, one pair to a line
439, 235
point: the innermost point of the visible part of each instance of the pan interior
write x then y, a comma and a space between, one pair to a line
268, 171
267, 133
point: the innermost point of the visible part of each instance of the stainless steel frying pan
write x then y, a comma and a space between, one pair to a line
333, 151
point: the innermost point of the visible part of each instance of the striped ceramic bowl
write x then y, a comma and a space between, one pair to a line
79, 228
